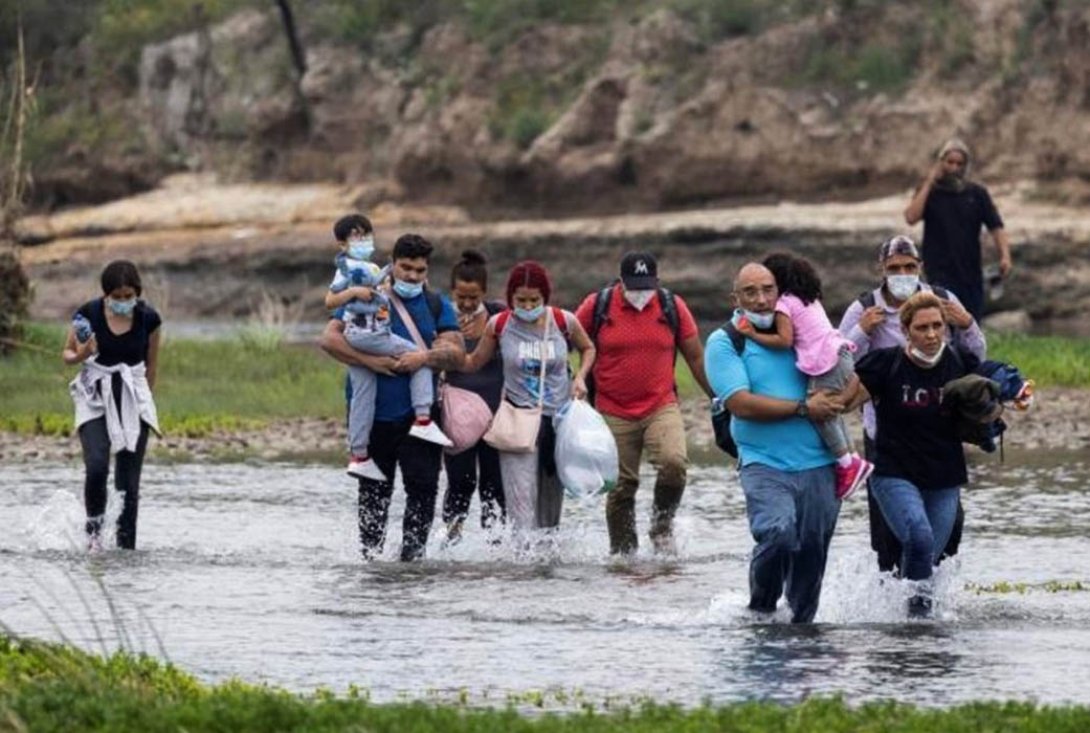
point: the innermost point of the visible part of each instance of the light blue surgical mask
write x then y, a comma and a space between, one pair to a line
122, 307
406, 290
760, 321
529, 314
361, 249
902, 287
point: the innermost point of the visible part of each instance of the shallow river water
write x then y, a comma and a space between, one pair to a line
252, 570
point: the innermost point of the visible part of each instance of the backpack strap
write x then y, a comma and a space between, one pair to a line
601, 310
557, 314
737, 338
435, 304
561, 321
501, 321
668, 303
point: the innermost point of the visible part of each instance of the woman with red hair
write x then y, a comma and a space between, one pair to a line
534, 340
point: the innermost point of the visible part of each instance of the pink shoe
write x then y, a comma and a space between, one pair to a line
852, 477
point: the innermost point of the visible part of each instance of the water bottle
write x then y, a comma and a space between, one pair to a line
82, 327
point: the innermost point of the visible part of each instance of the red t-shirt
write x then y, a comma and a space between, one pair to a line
634, 369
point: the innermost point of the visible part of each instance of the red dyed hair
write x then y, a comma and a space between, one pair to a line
528, 274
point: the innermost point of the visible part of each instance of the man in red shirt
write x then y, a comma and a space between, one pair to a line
638, 328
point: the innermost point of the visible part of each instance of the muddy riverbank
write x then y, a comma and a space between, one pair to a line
1060, 420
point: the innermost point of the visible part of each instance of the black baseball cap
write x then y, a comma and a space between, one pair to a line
639, 271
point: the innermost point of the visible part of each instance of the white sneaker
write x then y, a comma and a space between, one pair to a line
94, 544
365, 468
430, 433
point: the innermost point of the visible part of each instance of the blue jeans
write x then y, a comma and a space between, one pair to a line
922, 521
792, 515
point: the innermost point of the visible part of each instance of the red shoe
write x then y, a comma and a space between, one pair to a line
851, 477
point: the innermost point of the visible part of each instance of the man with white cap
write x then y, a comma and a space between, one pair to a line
953, 210
871, 323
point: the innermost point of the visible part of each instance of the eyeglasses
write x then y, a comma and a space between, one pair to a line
753, 291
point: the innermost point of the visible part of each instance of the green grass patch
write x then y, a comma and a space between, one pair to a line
1052, 361
203, 385
47, 688
250, 381
1007, 587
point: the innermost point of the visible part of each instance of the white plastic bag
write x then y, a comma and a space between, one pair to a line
586, 453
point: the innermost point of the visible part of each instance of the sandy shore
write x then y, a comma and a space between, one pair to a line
1060, 420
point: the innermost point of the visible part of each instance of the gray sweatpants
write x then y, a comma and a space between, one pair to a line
833, 432
532, 490
361, 408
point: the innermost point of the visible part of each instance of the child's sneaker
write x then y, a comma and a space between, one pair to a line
94, 544
364, 467
430, 432
851, 477
1024, 398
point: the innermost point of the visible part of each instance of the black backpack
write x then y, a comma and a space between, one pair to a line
721, 416
601, 314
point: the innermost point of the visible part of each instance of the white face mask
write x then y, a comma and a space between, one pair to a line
465, 318
639, 299
924, 358
760, 321
902, 287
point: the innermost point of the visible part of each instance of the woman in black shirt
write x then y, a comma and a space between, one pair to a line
920, 463
116, 339
477, 468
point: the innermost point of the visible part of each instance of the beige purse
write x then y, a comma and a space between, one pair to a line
514, 429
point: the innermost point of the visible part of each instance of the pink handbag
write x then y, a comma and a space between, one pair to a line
464, 417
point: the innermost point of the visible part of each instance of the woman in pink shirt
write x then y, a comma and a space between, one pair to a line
822, 353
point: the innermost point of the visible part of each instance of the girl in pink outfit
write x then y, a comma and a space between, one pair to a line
822, 353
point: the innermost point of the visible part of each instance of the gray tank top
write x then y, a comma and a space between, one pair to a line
521, 349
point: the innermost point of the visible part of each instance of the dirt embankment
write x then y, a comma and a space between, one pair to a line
639, 109
1059, 421
216, 251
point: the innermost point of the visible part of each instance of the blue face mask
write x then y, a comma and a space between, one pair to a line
760, 321
122, 307
529, 314
361, 249
407, 291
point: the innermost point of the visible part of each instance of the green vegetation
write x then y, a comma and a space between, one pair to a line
45, 687
246, 382
1049, 586
203, 385
523, 110
1051, 361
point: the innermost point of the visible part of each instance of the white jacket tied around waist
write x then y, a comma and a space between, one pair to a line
93, 394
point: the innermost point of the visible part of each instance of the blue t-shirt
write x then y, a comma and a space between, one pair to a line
791, 444
393, 401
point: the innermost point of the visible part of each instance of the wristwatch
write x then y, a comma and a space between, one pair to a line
801, 409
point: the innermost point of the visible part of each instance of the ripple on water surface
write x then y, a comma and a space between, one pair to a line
253, 570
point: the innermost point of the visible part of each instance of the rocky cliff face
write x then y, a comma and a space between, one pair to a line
643, 112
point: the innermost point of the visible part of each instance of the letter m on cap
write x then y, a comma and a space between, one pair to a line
641, 268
